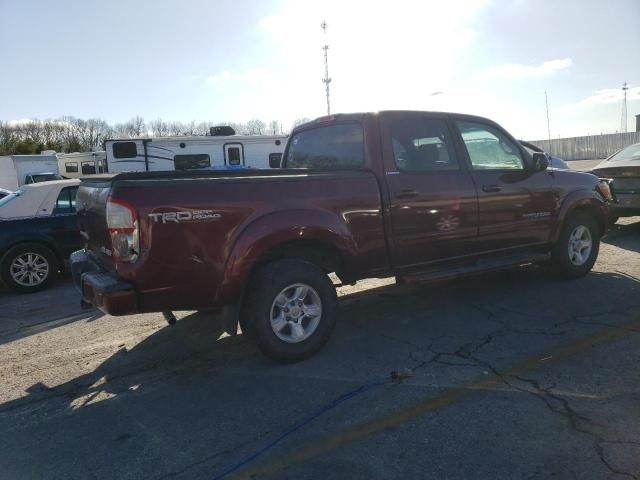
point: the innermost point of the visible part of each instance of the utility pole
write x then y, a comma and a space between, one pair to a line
326, 80
623, 123
546, 102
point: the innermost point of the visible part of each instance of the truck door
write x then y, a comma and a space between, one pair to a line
433, 200
233, 154
516, 204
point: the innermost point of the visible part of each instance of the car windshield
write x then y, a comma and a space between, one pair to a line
45, 177
632, 152
10, 197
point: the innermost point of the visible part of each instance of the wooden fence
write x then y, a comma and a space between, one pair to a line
587, 148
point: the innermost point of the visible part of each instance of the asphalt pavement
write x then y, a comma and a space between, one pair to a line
508, 375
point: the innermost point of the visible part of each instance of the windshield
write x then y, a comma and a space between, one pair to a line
10, 197
45, 177
632, 152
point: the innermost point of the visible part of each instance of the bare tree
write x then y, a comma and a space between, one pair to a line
255, 127
299, 122
159, 128
274, 127
135, 127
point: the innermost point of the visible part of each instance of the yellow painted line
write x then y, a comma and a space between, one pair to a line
449, 397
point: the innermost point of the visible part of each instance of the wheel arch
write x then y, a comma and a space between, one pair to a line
581, 201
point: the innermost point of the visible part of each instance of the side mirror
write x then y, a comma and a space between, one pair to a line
540, 161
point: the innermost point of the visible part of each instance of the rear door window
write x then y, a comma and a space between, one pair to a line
332, 147
423, 145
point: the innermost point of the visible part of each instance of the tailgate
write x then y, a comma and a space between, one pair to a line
91, 205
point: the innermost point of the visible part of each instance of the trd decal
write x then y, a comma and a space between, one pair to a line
185, 216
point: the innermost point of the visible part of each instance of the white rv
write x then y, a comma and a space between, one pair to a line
185, 153
80, 164
18, 170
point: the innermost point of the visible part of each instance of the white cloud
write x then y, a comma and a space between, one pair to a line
517, 71
19, 121
611, 95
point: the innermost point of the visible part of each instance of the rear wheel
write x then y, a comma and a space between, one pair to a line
577, 247
28, 267
290, 310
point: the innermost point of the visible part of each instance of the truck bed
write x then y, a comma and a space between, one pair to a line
200, 230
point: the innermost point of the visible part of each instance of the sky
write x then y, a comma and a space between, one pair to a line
234, 60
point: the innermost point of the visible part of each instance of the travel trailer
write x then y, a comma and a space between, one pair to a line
18, 170
220, 150
80, 164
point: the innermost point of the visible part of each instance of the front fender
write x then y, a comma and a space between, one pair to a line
583, 199
275, 229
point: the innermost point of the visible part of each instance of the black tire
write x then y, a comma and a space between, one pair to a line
22, 249
256, 311
560, 257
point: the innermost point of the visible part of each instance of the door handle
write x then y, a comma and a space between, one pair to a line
406, 194
491, 188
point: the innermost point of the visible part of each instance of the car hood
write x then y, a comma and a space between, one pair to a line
625, 168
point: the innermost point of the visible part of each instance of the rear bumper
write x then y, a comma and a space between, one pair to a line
101, 288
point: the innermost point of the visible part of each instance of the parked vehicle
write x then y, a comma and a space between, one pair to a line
624, 168
18, 170
80, 164
38, 231
554, 162
418, 195
198, 152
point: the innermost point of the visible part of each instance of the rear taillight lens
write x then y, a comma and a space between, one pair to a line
122, 223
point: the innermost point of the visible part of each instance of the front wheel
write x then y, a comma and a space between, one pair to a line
290, 309
577, 247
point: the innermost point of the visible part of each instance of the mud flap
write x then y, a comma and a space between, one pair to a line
230, 315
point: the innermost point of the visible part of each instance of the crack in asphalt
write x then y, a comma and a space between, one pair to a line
554, 402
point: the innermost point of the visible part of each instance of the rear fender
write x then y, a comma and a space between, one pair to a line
275, 229
587, 200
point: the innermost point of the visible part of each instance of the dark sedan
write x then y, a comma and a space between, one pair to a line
624, 168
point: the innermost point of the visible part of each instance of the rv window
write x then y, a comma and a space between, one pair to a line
190, 162
274, 160
88, 168
71, 167
125, 150
233, 155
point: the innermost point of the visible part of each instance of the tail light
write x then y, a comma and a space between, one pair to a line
122, 223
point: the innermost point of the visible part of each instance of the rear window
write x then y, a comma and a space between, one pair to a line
190, 162
332, 147
125, 150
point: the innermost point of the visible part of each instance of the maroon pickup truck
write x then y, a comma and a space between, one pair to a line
418, 195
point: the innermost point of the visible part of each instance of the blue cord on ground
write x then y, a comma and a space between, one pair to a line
298, 425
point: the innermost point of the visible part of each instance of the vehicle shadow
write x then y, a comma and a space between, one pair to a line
529, 297
624, 235
22, 315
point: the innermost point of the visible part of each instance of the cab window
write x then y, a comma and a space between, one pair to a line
488, 148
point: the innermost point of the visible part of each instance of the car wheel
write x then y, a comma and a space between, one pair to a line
28, 267
290, 309
577, 247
